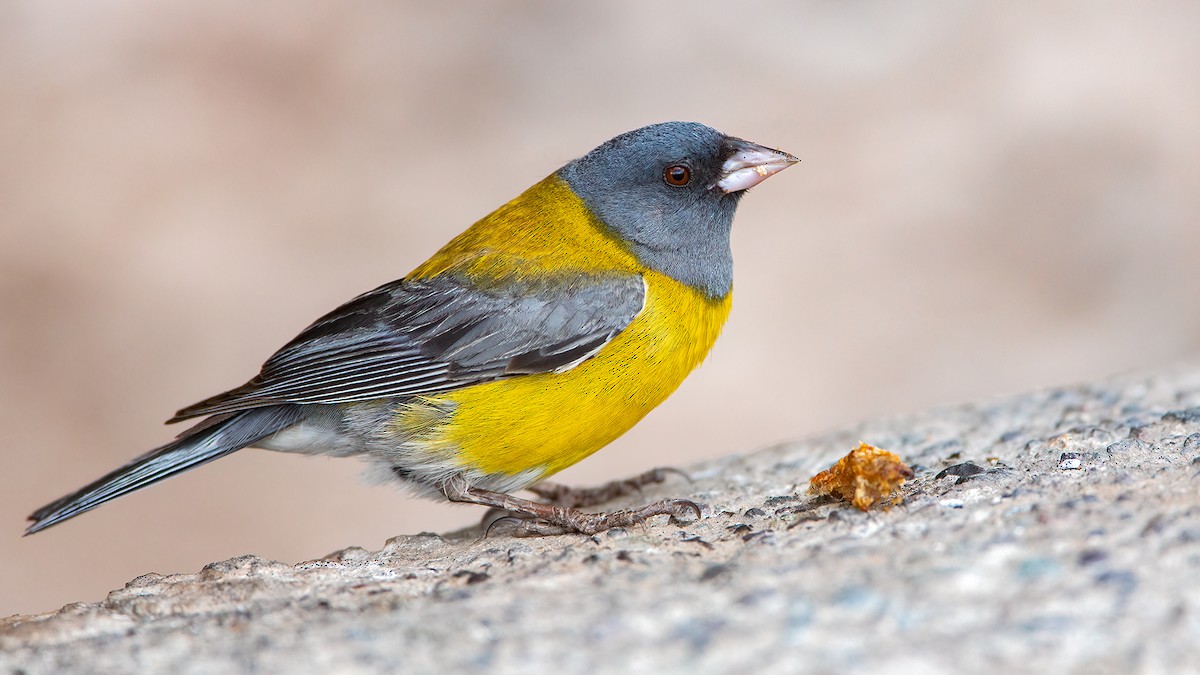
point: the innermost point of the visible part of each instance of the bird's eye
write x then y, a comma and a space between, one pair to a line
677, 175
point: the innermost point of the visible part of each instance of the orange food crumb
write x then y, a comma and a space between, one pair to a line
863, 477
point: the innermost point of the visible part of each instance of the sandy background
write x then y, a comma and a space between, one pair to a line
990, 200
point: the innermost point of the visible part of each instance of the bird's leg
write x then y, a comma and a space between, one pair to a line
572, 497
457, 489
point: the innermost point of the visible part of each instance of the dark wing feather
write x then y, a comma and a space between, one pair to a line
411, 338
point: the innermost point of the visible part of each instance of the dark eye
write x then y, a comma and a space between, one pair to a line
677, 175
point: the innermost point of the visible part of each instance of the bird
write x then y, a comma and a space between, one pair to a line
532, 339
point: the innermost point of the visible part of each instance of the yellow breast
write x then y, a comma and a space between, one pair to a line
552, 420
547, 422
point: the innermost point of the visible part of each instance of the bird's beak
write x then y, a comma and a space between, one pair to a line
750, 164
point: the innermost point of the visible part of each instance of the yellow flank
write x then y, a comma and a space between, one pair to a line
550, 421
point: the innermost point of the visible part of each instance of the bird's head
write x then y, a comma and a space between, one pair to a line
669, 191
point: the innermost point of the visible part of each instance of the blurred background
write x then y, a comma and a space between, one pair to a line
993, 197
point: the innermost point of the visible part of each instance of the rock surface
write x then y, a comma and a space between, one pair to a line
1057, 531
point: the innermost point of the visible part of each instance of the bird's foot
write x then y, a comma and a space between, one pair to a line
537, 518
573, 521
572, 497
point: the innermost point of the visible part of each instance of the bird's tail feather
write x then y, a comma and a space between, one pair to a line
213, 438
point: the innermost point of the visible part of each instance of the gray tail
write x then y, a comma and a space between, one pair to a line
212, 439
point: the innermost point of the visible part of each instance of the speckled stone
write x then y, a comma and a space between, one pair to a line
1004, 557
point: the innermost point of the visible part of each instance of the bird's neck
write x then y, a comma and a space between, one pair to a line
547, 230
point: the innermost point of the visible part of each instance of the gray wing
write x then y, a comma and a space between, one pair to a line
410, 338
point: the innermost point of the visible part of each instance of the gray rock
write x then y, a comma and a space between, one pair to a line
1036, 566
